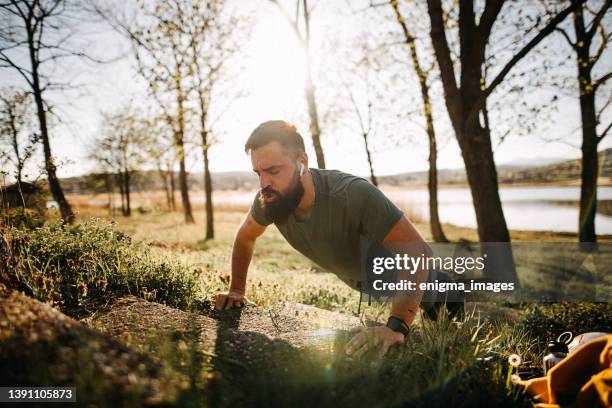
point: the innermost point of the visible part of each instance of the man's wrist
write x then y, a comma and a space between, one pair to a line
235, 291
398, 325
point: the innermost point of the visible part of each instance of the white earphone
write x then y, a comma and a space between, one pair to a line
301, 168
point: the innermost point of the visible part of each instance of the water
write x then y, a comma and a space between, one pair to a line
525, 208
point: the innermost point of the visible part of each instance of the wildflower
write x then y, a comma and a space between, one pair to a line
82, 289
515, 378
514, 360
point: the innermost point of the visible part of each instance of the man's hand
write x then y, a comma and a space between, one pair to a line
371, 337
230, 300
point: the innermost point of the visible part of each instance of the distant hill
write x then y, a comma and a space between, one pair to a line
562, 172
567, 171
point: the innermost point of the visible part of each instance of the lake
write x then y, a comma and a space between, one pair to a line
525, 208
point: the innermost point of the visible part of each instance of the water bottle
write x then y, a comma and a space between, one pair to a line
557, 351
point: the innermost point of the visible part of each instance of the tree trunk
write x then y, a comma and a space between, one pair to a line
164, 179
315, 130
482, 177
180, 146
184, 188
128, 207
109, 190
590, 165
15, 137
119, 181
588, 188
54, 185
432, 182
369, 156
210, 232
172, 191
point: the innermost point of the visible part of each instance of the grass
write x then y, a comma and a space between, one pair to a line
154, 255
70, 266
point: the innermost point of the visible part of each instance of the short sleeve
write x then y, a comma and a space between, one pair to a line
372, 210
257, 212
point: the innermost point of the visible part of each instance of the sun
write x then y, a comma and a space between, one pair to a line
275, 69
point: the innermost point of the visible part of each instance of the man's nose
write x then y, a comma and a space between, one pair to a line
264, 181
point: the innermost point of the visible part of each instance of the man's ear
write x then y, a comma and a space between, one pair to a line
303, 159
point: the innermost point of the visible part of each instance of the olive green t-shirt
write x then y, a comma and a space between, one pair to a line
346, 209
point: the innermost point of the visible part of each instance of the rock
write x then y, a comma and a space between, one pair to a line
143, 321
40, 346
252, 346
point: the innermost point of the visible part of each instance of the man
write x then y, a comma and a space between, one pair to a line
323, 214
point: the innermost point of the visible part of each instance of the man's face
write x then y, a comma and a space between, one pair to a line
279, 179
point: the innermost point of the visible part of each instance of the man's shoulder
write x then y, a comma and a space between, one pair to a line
338, 183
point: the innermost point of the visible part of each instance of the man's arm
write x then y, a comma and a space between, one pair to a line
242, 252
402, 232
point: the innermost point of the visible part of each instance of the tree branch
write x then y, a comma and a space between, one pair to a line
292, 23
483, 31
597, 20
443, 55
567, 38
552, 24
604, 133
601, 81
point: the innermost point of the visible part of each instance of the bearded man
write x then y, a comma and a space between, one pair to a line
324, 214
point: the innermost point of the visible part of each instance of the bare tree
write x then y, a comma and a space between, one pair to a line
17, 129
356, 102
118, 150
211, 30
161, 154
39, 29
162, 51
589, 43
301, 27
466, 99
423, 74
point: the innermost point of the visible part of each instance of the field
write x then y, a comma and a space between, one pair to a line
164, 260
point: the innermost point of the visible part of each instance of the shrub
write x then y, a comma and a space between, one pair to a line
93, 261
548, 321
23, 218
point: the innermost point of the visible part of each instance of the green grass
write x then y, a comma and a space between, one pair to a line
157, 257
70, 266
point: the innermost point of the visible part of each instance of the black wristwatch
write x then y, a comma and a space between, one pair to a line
398, 325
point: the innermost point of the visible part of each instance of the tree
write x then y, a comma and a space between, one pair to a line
159, 150
423, 77
17, 129
589, 42
466, 100
40, 29
118, 150
211, 32
359, 89
162, 51
303, 36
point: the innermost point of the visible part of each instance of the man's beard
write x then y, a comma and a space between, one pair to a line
279, 210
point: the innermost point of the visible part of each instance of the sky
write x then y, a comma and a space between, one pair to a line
272, 77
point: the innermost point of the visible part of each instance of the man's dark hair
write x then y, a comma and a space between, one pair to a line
276, 131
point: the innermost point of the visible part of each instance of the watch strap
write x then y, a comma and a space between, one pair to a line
398, 325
